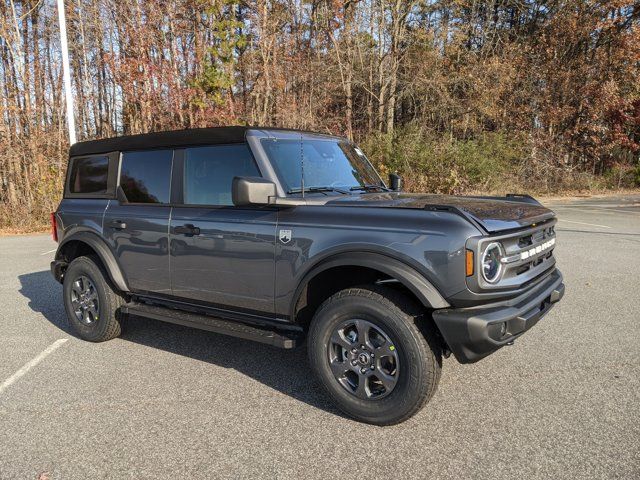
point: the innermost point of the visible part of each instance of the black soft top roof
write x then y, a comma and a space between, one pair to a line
174, 138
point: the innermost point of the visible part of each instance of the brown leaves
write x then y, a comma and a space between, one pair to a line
560, 78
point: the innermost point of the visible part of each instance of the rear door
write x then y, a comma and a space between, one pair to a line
221, 255
138, 229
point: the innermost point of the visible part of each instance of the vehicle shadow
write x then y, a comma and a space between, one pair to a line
286, 371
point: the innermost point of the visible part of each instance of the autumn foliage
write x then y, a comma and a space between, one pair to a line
456, 95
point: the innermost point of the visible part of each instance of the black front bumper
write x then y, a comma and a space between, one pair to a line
475, 332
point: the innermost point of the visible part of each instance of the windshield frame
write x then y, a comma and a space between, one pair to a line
283, 188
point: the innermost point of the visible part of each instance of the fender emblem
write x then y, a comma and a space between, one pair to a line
285, 236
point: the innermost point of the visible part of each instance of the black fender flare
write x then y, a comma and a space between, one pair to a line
103, 251
424, 290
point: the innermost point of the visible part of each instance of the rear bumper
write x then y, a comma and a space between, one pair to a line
57, 269
475, 332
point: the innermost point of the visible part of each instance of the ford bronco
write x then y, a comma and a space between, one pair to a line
280, 236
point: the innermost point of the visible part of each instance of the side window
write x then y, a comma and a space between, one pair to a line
209, 172
145, 177
89, 175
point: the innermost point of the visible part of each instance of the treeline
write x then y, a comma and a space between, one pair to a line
457, 95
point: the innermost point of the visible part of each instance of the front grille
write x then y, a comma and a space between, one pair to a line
532, 250
528, 255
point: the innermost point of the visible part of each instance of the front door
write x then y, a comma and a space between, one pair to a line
138, 229
221, 255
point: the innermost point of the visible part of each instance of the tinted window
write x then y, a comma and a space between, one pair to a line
89, 175
146, 176
327, 163
209, 172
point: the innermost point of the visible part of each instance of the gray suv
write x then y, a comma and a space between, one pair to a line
279, 236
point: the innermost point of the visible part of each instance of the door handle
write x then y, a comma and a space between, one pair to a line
118, 224
188, 230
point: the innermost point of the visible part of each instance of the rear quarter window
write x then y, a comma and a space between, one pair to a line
92, 176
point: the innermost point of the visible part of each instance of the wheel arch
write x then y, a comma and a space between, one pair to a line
389, 267
87, 242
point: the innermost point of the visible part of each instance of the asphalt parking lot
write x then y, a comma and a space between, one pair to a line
165, 401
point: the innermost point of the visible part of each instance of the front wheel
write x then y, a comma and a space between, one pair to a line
375, 354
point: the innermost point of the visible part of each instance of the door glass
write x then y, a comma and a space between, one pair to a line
146, 176
209, 172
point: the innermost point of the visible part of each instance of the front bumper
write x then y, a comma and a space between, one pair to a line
475, 332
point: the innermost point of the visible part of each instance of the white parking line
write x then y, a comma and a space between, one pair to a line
32, 363
593, 211
50, 251
583, 223
597, 205
635, 212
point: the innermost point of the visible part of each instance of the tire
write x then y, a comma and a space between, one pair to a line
97, 319
408, 359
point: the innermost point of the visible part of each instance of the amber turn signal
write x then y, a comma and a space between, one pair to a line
469, 263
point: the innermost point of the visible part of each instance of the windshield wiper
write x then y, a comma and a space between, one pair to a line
370, 187
318, 189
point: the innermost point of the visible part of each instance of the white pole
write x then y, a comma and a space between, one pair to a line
66, 73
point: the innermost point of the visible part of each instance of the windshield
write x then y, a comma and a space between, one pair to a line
327, 164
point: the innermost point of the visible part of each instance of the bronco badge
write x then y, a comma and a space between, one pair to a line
285, 236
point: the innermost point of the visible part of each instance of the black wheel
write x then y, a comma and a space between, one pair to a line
90, 301
375, 354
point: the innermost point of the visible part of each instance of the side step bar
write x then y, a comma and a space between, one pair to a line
282, 339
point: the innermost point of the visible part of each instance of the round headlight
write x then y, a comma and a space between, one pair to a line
491, 266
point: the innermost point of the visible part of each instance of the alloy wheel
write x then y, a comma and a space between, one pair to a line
84, 300
363, 359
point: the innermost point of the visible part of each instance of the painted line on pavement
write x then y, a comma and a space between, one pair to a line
597, 205
592, 210
32, 363
50, 251
583, 223
635, 212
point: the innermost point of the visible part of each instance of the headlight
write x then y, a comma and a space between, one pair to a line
491, 265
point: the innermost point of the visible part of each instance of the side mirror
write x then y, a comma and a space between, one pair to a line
252, 191
395, 182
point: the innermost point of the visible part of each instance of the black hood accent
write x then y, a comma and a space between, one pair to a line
492, 214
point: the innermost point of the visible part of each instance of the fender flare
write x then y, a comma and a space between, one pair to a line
105, 254
428, 295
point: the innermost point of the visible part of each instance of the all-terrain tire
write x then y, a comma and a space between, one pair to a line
413, 340
100, 296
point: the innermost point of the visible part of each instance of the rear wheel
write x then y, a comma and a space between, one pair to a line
375, 354
90, 301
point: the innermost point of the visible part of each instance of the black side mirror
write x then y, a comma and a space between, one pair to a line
247, 191
395, 182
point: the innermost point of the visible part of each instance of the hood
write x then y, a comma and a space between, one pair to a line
494, 214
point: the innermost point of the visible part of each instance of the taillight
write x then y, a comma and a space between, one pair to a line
54, 227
